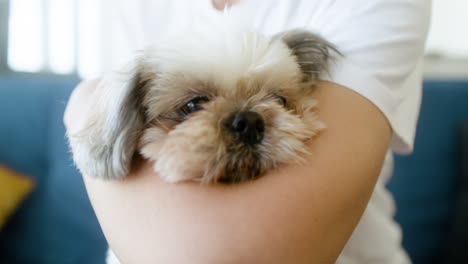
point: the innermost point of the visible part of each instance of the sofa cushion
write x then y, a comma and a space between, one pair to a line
13, 189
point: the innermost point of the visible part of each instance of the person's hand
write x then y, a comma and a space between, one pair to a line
79, 105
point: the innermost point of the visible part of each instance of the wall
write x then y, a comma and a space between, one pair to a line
449, 30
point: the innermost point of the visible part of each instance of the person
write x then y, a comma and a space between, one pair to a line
332, 208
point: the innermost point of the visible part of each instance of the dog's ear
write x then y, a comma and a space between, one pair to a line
103, 146
312, 52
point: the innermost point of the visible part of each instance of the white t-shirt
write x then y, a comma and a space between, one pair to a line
382, 42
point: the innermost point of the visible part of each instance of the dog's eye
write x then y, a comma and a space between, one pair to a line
282, 100
193, 105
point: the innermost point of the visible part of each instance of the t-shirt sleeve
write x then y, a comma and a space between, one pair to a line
382, 42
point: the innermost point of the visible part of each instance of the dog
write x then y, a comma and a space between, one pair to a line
214, 107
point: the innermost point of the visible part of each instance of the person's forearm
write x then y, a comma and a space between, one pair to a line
189, 223
298, 214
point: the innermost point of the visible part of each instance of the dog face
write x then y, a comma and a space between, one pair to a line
218, 108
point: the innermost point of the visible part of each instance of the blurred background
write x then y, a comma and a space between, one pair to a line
48, 46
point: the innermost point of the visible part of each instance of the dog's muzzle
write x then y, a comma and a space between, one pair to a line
247, 127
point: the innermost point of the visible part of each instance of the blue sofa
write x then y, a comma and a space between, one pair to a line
56, 224
426, 184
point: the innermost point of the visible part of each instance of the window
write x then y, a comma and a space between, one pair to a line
448, 36
62, 37
3, 34
447, 45
50, 36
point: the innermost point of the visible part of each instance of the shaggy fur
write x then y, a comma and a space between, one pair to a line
232, 71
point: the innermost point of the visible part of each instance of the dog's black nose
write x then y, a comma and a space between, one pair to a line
248, 127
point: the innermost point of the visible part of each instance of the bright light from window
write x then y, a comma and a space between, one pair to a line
448, 35
25, 40
64, 36
89, 32
61, 23
60, 36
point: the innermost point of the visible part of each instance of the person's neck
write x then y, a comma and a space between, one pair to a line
221, 4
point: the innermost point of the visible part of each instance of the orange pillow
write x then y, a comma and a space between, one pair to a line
14, 187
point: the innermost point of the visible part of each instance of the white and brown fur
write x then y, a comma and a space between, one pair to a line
138, 109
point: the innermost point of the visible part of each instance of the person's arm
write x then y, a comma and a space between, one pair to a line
297, 214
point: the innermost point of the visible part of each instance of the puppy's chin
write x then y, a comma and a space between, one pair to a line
200, 149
